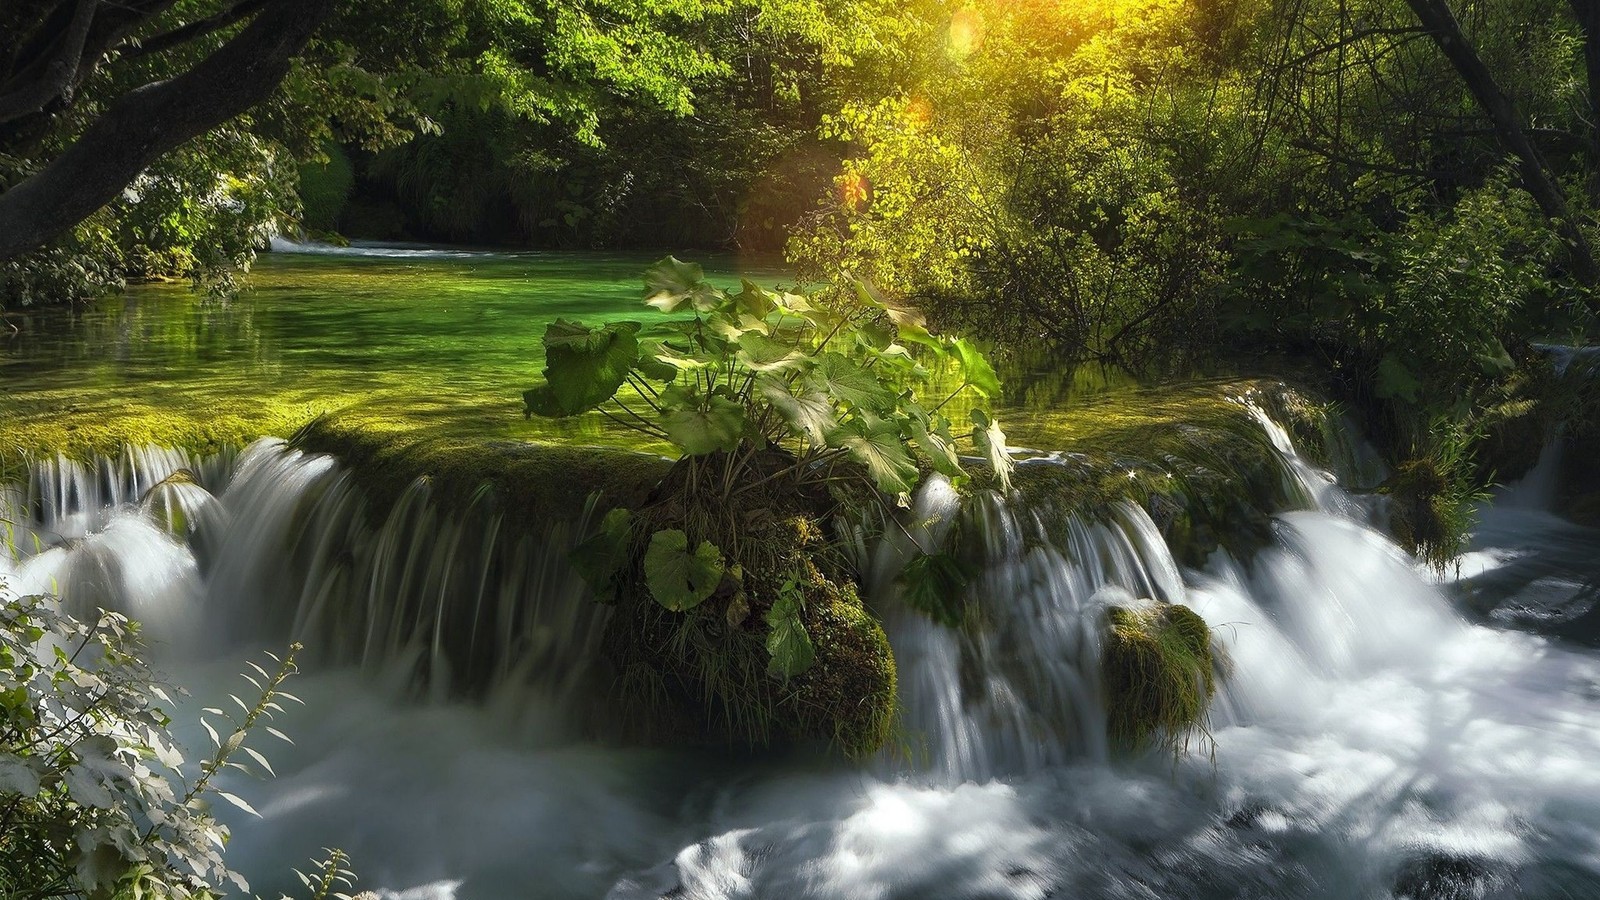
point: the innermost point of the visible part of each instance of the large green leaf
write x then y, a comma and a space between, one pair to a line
912, 332
755, 301
878, 446
583, 367
599, 558
700, 431
672, 284
938, 444
651, 364
976, 370
810, 413
936, 584
678, 579
787, 641
662, 354
760, 353
846, 381
991, 442
732, 327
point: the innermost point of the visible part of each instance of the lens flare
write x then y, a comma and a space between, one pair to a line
966, 32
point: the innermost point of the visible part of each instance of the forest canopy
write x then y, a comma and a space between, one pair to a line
1403, 188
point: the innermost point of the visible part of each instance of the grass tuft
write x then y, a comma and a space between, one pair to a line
1159, 674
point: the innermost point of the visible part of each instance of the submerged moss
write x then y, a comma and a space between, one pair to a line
1159, 674
537, 484
1194, 457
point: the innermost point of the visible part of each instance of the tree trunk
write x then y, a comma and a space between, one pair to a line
1441, 24
1587, 12
151, 121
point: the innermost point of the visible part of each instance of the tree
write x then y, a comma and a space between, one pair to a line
71, 41
1441, 25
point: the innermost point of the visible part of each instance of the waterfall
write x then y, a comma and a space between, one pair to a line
1367, 741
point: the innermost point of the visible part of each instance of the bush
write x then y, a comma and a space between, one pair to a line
96, 798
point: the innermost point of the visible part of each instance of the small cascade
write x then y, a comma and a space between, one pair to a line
1022, 691
452, 595
278, 545
61, 499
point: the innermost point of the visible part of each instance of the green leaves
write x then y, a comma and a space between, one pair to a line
765, 370
845, 380
810, 413
991, 442
788, 644
678, 579
671, 285
584, 367
601, 557
698, 431
1396, 381
936, 584
878, 446
975, 369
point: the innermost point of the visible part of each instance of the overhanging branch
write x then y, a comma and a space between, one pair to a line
192, 31
56, 75
152, 120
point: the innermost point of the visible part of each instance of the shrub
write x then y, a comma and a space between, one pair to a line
96, 798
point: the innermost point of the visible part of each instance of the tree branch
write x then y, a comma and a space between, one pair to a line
55, 77
197, 29
152, 120
1437, 17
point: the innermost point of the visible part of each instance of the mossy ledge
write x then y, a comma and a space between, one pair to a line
697, 677
536, 484
1194, 457
1159, 670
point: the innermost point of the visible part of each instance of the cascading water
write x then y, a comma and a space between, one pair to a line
1367, 742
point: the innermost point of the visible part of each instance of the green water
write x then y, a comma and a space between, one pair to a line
417, 342
426, 339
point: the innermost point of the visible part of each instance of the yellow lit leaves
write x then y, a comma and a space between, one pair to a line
966, 32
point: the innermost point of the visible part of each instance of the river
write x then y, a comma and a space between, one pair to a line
1383, 730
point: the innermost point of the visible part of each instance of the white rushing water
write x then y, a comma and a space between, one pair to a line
1368, 741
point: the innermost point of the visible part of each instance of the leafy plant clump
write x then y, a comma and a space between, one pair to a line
790, 417
1159, 673
96, 798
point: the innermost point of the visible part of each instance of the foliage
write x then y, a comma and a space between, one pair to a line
1159, 675
743, 373
1051, 179
1434, 494
679, 579
763, 393
97, 798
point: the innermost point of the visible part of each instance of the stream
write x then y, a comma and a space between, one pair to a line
1383, 730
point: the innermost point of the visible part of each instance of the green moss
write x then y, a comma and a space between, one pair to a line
536, 483
83, 430
1159, 675
1198, 462
848, 696
704, 674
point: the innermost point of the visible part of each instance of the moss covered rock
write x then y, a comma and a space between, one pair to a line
1194, 456
1159, 674
710, 673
